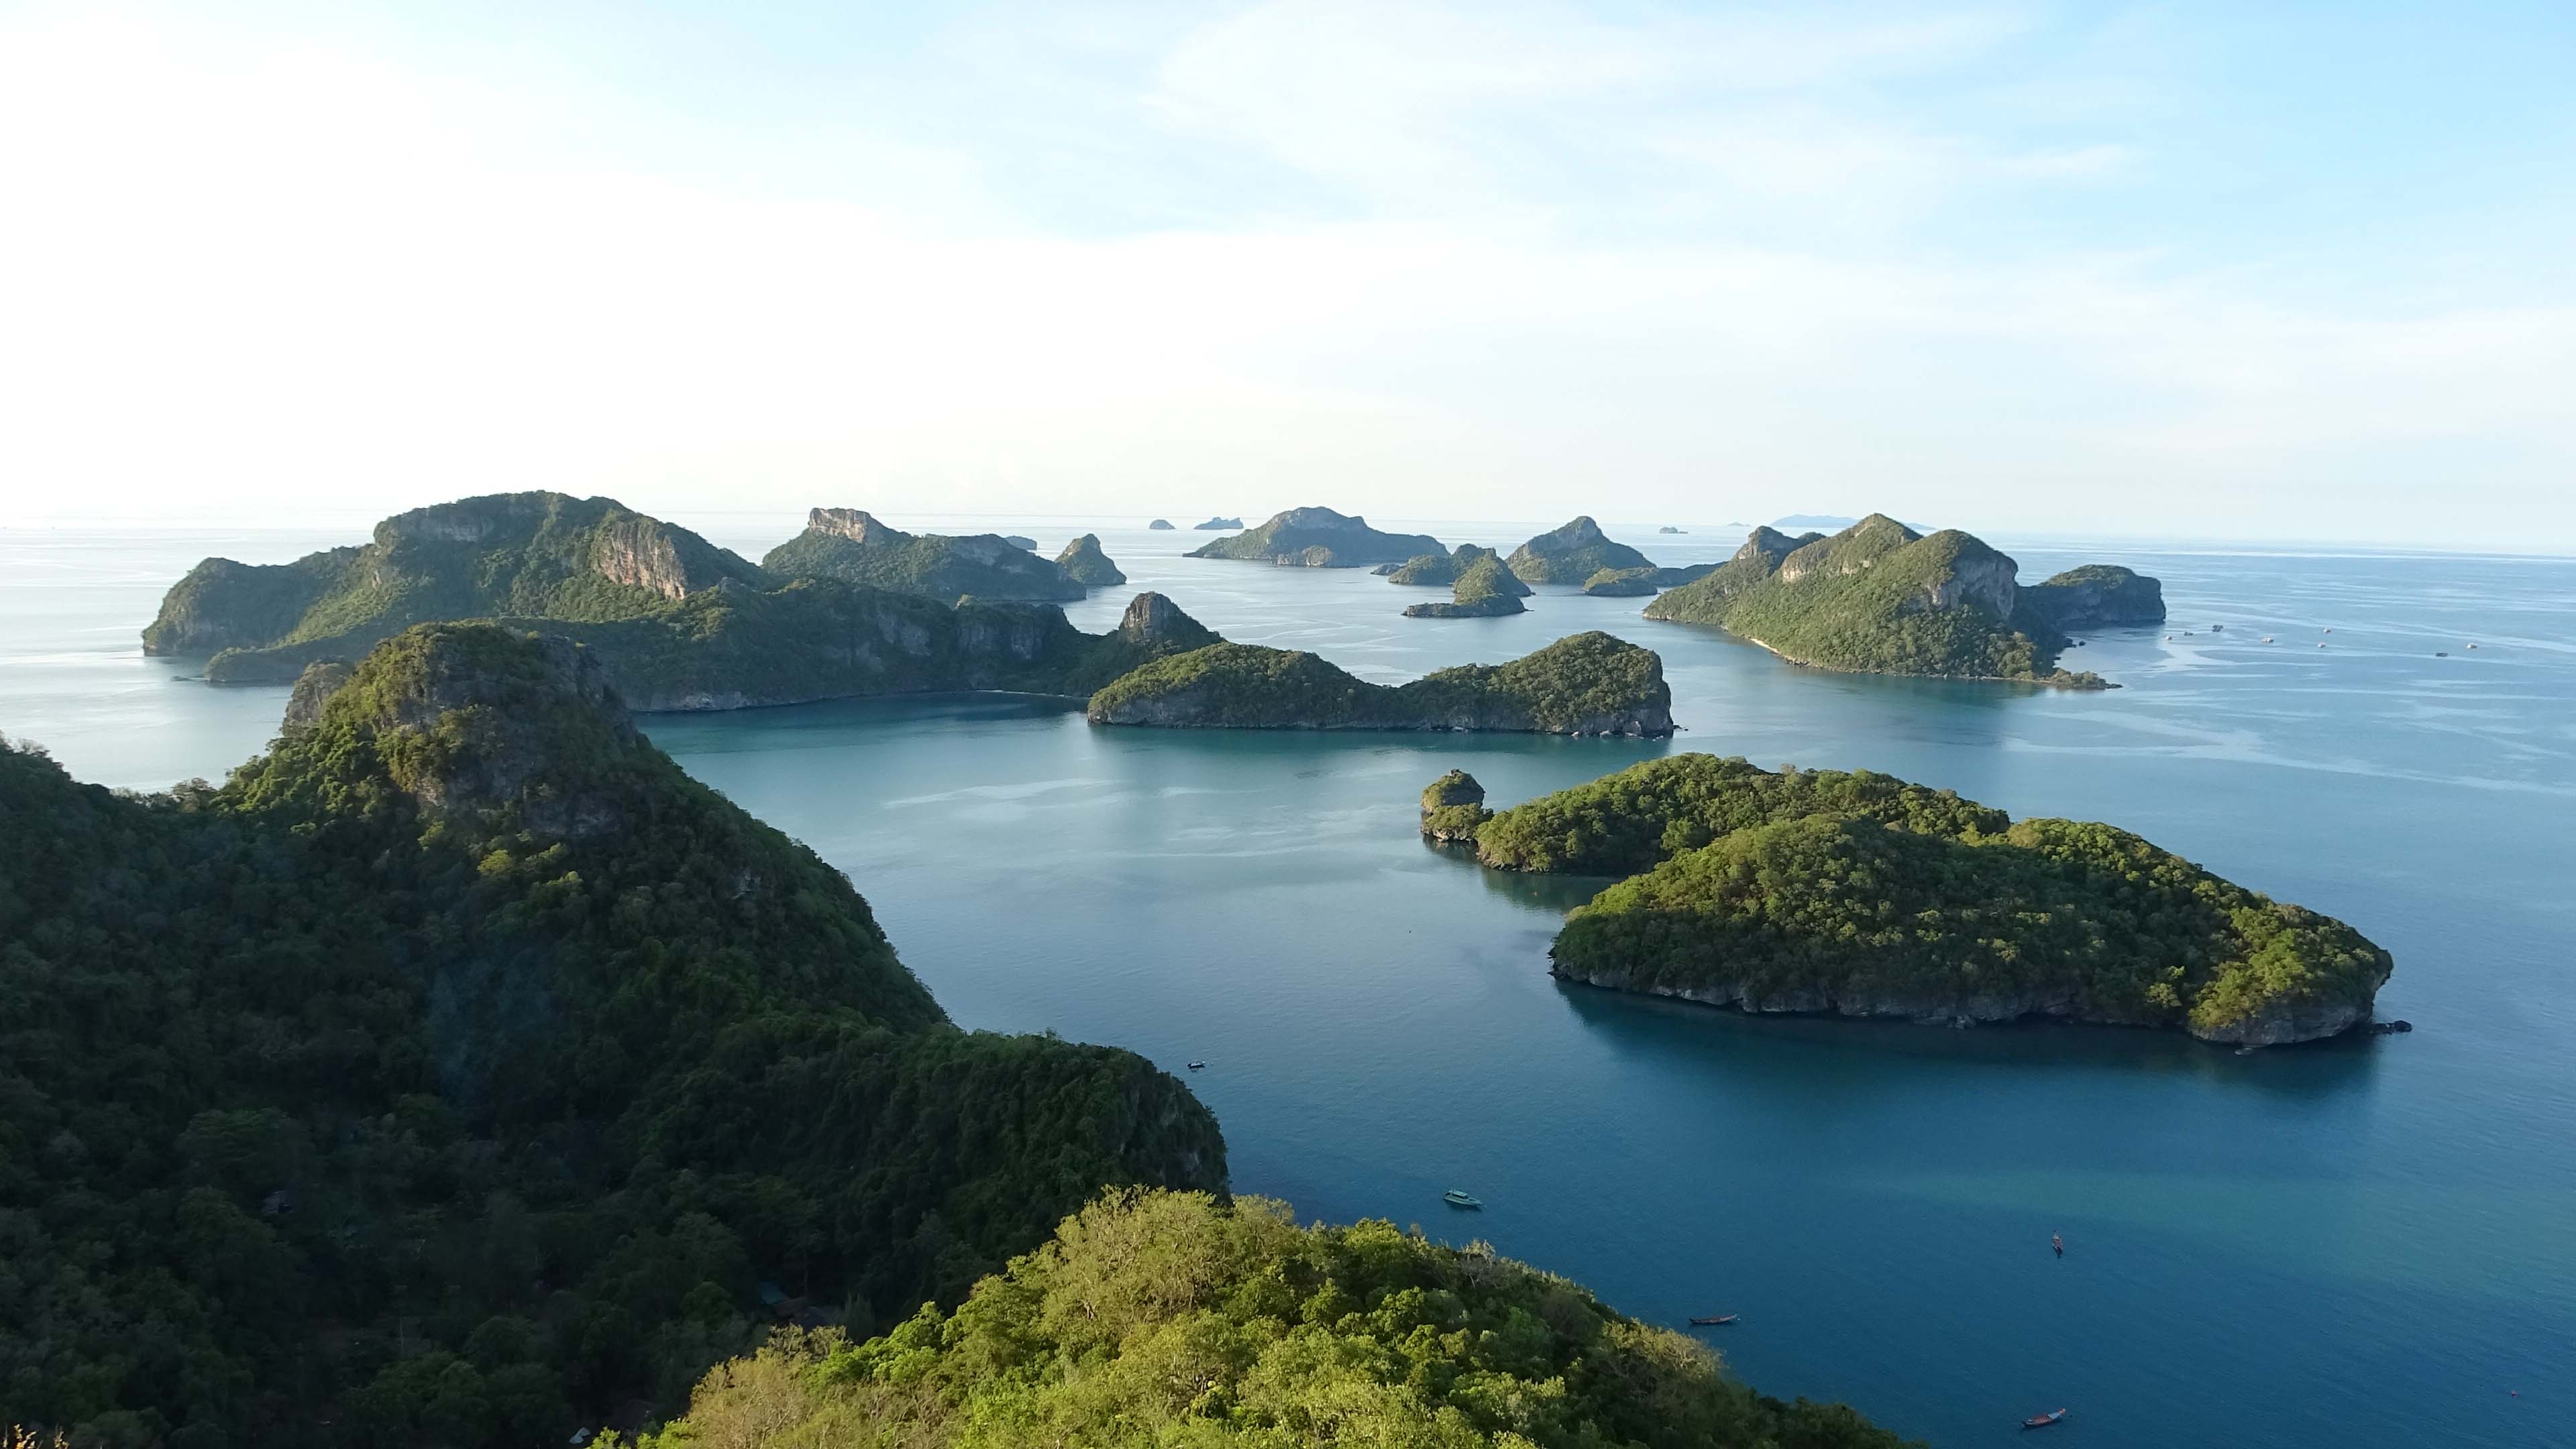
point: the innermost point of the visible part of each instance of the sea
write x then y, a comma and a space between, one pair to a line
2368, 1241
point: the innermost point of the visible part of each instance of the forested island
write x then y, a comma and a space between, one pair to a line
852, 546
1318, 538
1177, 1318
1881, 598
461, 1070
1485, 589
1085, 564
1858, 894
1435, 569
1572, 553
678, 622
1218, 524
1586, 684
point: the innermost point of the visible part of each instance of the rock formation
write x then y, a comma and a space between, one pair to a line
1084, 563
853, 545
1572, 553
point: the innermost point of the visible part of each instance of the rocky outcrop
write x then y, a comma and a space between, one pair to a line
1022, 540
1153, 622
1452, 807
319, 681
1085, 564
1319, 538
855, 524
2097, 595
1571, 553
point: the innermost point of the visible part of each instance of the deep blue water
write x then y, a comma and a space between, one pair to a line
2363, 1242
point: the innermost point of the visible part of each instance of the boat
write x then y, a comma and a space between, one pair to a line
1718, 1319
1194, 1066
2042, 1421
1456, 1198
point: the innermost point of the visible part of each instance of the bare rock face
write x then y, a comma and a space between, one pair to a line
319, 681
1979, 576
497, 720
855, 524
639, 552
1157, 623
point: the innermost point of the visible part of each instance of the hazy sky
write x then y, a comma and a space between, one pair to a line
2226, 269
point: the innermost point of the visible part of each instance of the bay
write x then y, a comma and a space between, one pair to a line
2370, 1241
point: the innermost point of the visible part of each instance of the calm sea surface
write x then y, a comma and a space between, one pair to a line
2366, 1242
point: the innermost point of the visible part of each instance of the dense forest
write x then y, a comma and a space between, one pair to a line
1584, 683
1879, 597
1856, 892
460, 1071
1169, 1318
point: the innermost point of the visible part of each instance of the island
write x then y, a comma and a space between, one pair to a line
852, 546
463, 1017
1085, 564
1020, 540
1435, 569
1218, 525
1486, 590
1160, 525
1668, 528
1638, 582
1387, 1336
1572, 553
1858, 894
2095, 596
1453, 809
1318, 538
1880, 598
1586, 684
678, 623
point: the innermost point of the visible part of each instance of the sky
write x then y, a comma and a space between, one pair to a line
2268, 272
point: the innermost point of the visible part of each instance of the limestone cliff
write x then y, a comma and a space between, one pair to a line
1085, 564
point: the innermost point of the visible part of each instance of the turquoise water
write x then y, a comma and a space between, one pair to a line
2366, 1242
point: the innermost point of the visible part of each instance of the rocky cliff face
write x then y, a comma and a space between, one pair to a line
1153, 622
1085, 564
1977, 576
640, 553
855, 524
319, 681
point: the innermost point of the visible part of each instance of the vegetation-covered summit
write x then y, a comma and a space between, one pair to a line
1436, 570
538, 554
1583, 684
1085, 564
851, 545
1571, 554
1484, 590
1861, 894
460, 1070
1879, 597
1318, 538
1166, 1318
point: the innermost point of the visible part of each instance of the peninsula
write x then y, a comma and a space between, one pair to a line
1586, 684
463, 1018
1485, 590
1318, 538
1881, 598
1857, 894
852, 546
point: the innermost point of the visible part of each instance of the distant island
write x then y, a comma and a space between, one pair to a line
677, 622
1858, 894
1587, 684
1484, 590
1160, 525
1809, 520
463, 1017
1217, 524
1020, 540
1880, 598
1435, 569
1668, 528
1572, 553
1633, 583
2095, 596
1085, 564
1318, 538
851, 545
